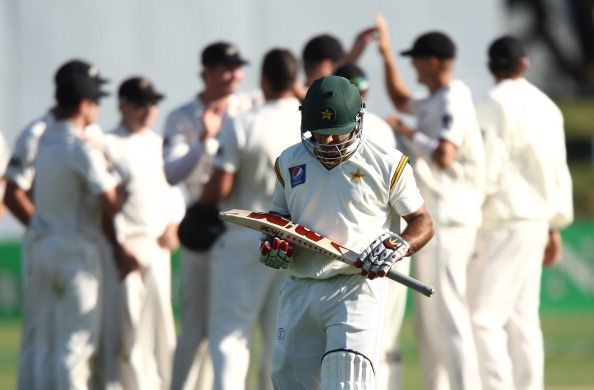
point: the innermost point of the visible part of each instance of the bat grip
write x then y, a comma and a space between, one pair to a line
411, 282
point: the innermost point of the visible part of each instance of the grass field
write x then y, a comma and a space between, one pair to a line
569, 345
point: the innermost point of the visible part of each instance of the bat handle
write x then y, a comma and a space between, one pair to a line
411, 282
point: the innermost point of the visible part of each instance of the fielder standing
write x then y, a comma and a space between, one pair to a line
347, 188
73, 187
449, 166
529, 199
20, 174
147, 227
189, 147
244, 178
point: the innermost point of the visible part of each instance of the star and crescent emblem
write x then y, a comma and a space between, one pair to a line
357, 176
328, 114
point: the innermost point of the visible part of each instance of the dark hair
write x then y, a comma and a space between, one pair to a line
280, 69
506, 55
322, 47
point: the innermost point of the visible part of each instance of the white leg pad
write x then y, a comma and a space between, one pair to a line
346, 370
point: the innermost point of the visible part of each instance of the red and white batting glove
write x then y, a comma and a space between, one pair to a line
276, 252
381, 254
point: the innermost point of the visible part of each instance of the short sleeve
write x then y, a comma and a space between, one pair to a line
21, 166
405, 196
279, 199
175, 142
453, 121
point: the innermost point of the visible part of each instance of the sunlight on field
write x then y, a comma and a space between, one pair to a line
569, 345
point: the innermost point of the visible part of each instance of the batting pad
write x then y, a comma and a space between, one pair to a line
347, 370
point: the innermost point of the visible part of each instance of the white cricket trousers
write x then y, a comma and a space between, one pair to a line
147, 326
243, 294
192, 366
389, 371
65, 286
317, 316
443, 328
504, 291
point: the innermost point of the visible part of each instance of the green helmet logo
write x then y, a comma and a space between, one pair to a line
332, 105
328, 114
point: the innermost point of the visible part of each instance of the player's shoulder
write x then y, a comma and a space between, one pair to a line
377, 151
241, 102
458, 91
35, 128
295, 152
183, 111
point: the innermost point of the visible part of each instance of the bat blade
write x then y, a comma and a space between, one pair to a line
304, 237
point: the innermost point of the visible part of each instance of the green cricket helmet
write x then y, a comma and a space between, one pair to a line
332, 106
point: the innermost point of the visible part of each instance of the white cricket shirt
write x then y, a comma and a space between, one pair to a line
69, 176
528, 177
454, 195
351, 204
138, 160
249, 146
183, 127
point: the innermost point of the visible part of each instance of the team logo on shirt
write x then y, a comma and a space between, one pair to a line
357, 176
328, 114
446, 120
297, 174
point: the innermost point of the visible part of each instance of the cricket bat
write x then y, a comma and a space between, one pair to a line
300, 235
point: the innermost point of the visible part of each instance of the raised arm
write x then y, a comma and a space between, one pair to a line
395, 87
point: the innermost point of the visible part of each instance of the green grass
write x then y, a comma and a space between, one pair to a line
579, 117
569, 346
579, 130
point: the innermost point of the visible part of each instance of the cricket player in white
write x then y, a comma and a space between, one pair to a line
72, 188
20, 174
244, 177
147, 226
348, 188
529, 199
449, 166
189, 147
388, 374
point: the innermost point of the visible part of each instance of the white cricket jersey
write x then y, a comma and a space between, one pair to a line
70, 174
528, 177
378, 130
250, 145
351, 204
454, 195
21, 167
138, 160
183, 127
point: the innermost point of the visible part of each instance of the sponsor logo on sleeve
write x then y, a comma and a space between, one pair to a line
297, 174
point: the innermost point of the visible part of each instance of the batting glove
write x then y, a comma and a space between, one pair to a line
381, 254
276, 252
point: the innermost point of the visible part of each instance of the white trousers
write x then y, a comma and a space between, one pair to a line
147, 326
192, 367
243, 294
65, 291
504, 292
105, 375
317, 316
389, 371
443, 328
